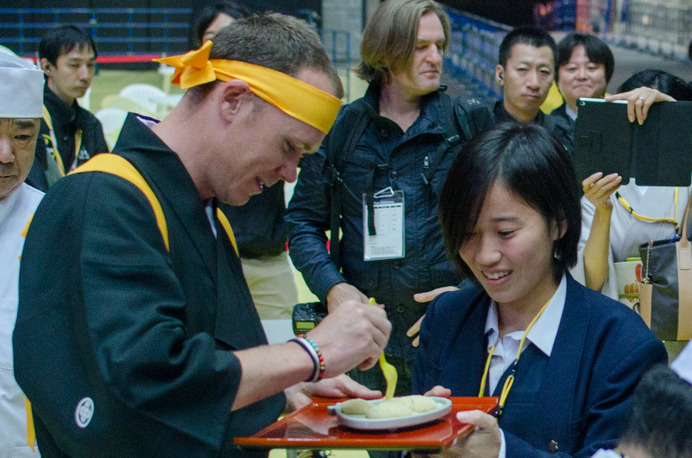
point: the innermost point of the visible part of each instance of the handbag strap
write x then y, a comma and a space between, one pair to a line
684, 242
684, 255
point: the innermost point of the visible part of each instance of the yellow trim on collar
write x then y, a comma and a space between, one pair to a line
294, 97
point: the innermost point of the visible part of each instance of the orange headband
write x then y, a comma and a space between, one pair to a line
294, 97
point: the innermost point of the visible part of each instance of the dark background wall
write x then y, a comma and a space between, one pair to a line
283, 6
160, 29
510, 12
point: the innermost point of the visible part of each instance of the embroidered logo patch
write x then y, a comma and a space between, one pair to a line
84, 412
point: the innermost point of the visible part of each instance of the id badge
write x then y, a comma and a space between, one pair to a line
385, 238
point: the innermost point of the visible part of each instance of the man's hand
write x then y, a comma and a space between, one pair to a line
639, 101
354, 334
425, 297
598, 189
342, 292
343, 386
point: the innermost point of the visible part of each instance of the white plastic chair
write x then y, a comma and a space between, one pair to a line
124, 103
7, 50
112, 120
143, 94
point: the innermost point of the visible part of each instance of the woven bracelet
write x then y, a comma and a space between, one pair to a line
303, 342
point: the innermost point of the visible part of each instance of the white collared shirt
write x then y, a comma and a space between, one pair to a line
570, 112
542, 335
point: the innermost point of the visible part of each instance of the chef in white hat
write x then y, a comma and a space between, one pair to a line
21, 98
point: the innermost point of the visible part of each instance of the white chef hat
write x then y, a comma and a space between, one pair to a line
21, 88
682, 365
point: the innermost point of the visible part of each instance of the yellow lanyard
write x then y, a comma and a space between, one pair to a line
56, 154
629, 208
509, 381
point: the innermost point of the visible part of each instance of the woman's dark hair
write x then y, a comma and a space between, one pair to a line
534, 165
209, 13
62, 40
660, 80
661, 415
596, 50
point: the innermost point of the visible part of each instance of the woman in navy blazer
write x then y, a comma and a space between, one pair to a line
562, 359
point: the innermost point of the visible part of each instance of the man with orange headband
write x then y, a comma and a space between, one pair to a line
137, 336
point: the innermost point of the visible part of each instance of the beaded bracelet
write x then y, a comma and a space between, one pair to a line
320, 358
317, 361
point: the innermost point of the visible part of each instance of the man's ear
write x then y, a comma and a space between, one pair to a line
235, 94
499, 74
46, 66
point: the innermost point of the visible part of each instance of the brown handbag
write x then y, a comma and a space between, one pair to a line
666, 290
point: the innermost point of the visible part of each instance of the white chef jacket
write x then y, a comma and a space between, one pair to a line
626, 231
15, 212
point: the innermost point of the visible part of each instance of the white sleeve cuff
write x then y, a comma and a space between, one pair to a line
503, 445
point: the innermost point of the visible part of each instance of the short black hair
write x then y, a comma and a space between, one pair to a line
209, 13
665, 82
534, 165
527, 35
62, 40
661, 415
597, 51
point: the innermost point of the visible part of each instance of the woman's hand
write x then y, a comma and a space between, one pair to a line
484, 441
598, 189
639, 101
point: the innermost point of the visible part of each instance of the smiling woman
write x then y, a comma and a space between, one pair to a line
585, 66
509, 211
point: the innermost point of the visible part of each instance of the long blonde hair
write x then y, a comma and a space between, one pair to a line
389, 38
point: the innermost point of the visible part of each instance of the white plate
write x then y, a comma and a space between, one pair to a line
360, 422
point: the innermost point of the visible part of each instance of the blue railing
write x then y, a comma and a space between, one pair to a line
338, 45
473, 50
118, 31
658, 27
135, 31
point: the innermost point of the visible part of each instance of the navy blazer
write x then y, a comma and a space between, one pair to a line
578, 397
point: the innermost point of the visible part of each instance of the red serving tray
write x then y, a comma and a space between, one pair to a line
312, 427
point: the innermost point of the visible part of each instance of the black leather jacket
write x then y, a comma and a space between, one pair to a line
383, 156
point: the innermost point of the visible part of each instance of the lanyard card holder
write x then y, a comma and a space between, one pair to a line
383, 225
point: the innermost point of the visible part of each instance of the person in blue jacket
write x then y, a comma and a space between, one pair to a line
563, 359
